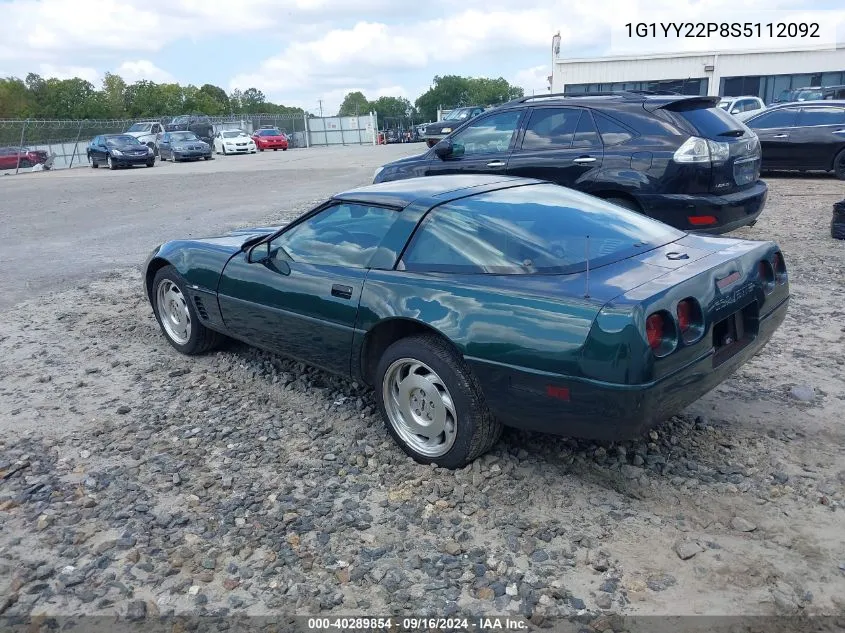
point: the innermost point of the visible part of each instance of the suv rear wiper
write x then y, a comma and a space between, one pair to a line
732, 133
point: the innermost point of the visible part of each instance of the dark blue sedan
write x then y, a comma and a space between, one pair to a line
183, 146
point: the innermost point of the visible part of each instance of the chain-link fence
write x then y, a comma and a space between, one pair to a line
41, 144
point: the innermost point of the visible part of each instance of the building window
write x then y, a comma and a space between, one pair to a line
773, 87
696, 86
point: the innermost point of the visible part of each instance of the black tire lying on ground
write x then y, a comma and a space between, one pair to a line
837, 223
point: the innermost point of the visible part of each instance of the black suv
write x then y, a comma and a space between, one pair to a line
679, 159
199, 124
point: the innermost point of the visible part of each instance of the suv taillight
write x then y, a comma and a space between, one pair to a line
699, 150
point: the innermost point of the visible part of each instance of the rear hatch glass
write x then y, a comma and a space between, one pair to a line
735, 149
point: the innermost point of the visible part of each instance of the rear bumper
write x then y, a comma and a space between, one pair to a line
606, 411
731, 210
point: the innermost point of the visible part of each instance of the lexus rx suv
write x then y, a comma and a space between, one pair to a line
680, 159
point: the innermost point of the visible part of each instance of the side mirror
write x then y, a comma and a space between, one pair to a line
735, 111
259, 253
444, 149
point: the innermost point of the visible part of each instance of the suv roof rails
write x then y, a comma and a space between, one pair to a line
598, 93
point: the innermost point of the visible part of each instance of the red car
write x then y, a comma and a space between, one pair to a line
28, 157
270, 138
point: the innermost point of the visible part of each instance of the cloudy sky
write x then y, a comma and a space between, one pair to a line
301, 51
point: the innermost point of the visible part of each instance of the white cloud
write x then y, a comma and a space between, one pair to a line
132, 71
533, 80
69, 72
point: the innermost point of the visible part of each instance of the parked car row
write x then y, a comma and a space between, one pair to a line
145, 140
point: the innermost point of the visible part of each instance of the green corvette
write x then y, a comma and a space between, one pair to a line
471, 302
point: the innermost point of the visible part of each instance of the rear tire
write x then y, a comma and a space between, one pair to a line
625, 203
839, 165
175, 311
449, 396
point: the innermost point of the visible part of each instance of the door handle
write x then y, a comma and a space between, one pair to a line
496, 163
781, 136
344, 292
584, 159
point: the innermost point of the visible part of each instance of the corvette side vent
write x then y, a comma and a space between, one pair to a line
201, 309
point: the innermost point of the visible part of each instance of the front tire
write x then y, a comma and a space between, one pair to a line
839, 165
177, 316
431, 403
151, 163
110, 162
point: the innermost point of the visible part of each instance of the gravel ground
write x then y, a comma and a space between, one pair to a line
135, 480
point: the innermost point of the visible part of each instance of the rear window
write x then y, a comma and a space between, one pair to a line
707, 122
531, 229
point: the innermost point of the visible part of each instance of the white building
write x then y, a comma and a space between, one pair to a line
725, 73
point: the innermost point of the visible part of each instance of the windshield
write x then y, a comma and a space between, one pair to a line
183, 136
117, 141
531, 229
809, 95
269, 133
233, 133
141, 127
457, 115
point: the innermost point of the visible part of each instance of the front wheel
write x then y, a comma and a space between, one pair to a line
432, 404
284, 149
111, 163
151, 163
839, 165
177, 317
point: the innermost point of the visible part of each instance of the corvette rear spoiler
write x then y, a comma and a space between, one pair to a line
682, 103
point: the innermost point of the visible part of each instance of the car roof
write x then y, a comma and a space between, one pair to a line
821, 103
401, 193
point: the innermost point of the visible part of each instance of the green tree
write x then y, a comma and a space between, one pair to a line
393, 108
354, 104
216, 93
451, 91
15, 99
253, 101
114, 95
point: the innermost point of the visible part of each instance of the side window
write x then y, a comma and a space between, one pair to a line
821, 116
784, 117
612, 133
487, 135
551, 128
342, 235
586, 135
156, 128
753, 104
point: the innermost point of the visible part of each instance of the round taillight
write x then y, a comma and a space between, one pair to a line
654, 331
684, 315
690, 320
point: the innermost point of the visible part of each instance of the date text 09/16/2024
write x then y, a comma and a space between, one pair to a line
414, 625
804, 30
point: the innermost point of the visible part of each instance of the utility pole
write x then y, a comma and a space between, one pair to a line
320, 101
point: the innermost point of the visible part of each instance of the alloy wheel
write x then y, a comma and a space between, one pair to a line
420, 407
